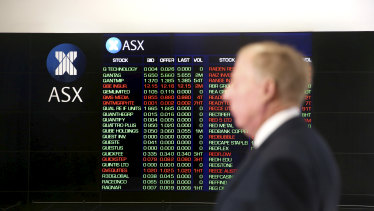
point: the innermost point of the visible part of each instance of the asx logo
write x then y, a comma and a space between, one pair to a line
114, 45
65, 63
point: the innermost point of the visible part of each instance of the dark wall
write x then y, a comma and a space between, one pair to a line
343, 107
343, 112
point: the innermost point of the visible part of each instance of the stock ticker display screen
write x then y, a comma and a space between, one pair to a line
124, 112
164, 124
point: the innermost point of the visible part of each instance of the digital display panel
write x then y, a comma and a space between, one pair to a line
122, 117
165, 126
86, 118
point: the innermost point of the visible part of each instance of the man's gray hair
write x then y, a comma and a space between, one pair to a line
284, 64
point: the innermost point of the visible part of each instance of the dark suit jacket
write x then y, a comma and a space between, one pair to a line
293, 170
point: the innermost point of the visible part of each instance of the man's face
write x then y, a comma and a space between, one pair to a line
245, 95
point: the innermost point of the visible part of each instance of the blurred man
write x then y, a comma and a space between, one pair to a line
291, 167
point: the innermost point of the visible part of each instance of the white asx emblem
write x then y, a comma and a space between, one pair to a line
113, 45
66, 63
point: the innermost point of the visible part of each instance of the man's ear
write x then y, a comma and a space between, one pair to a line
269, 89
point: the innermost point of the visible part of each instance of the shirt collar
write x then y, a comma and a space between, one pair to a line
272, 123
